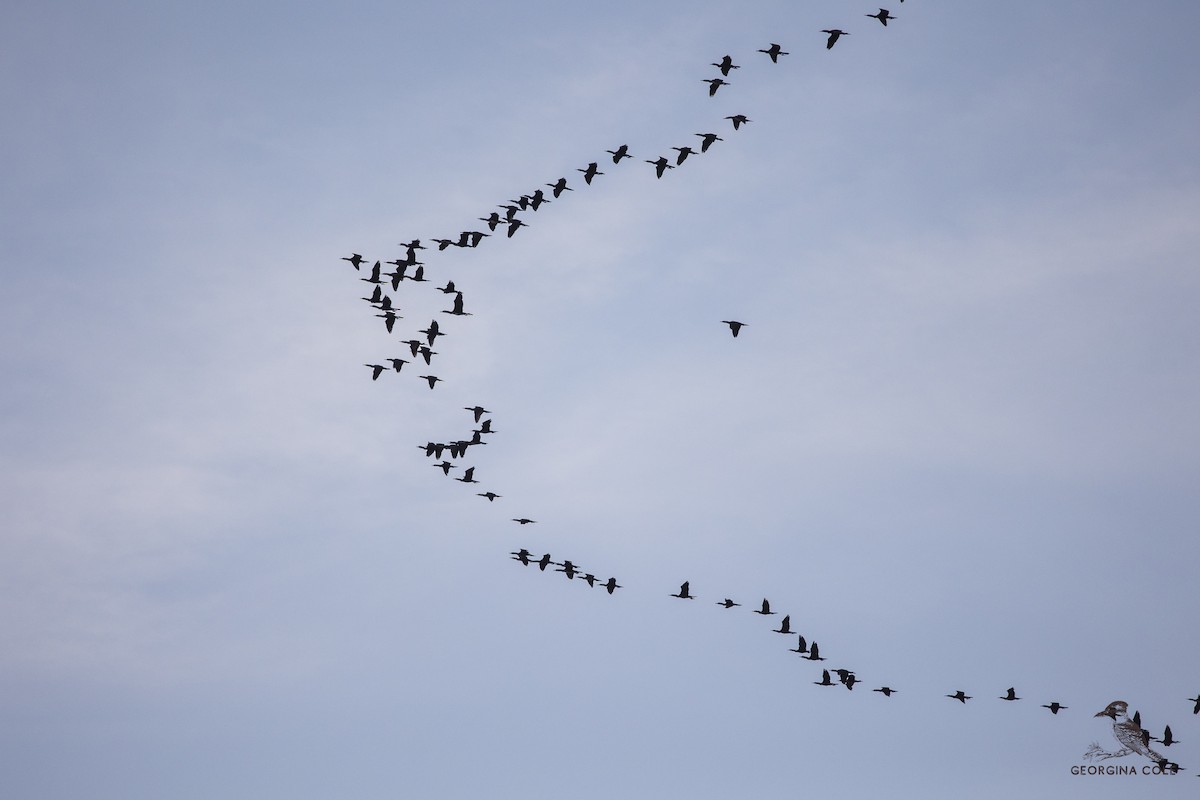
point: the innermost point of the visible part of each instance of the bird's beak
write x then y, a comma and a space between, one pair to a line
1105, 713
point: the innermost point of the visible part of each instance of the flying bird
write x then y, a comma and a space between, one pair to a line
774, 51
727, 603
661, 165
468, 476
559, 186
432, 332
886, 691
374, 277
739, 120
734, 326
1055, 707
521, 555
725, 65
706, 140
478, 411
544, 562
355, 260
833, 37
491, 496
524, 521
396, 363
960, 696
1012, 694
1196, 700
683, 592
766, 608
883, 16
612, 585
432, 379
568, 568
592, 171
714, 84
684, 152
785, 626
801, 646
619, 153
376, 370
814, 653
1167, 739
445, 467
516, 224
457, 309
492, 220
825, 679
448, 288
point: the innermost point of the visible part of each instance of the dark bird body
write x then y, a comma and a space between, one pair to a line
735, 327
774, 51
833, 37
683, 592
592, 171
619, 153
661, 165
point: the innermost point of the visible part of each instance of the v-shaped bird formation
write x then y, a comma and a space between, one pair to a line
451, 453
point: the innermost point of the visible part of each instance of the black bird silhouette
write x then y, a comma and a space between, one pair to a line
448, 288
825, 679
476, 238
619, 153
883, 16
492, 220
849, 681
432, 332
1167, 739
1196, 700
707, 139
478, 411
714, 84
486, 427
376, 370
544, 562
592, 171
559, 186
457, 310
661, 165
886, 691
568, 568
739, 120
374, 277
413, 344
396, 363
728, 603
589, 578
443, 243
524, 521
1012, 694
766, 608
432, 449
510, 212
355, 260
491, 496
814, 653
376, 296
536, 199
612, 585
960, 696
801, 646
1055, 707
521, 555
445, 467
785, 626
833, 36
514, 225
774, 51
683, 592
684, 152
734, 326
418, 275
389, 319
468, 476
432, 379
725, 64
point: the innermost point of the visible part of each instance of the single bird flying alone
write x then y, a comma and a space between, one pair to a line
734, 326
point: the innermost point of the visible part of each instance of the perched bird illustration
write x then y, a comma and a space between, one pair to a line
521, 555
833, 37
725, 65
592, 171
734, 326
886, 691
524, 521
774, 51
612, 585
683, 592
960, 696
661, 165
714, 84
355, 260
1012, 694
883, 16
739, 120
491, 496
727, 603
619, 153
1127, 732
706, 140
1054, 707
785, 626
766, 608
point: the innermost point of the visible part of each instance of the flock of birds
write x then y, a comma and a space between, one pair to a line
1127, 730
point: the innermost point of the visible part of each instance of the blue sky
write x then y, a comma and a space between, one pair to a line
956, 441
